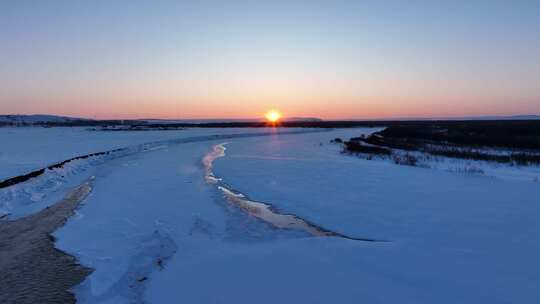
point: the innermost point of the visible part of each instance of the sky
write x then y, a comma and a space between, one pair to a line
237, 59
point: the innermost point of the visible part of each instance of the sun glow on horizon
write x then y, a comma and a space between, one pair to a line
273, 116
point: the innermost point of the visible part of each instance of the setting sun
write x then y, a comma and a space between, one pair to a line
273, 116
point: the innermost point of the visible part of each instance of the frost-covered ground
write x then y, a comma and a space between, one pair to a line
508, 171
155, 230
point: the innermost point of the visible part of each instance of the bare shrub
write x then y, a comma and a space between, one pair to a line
470, 169
406, 159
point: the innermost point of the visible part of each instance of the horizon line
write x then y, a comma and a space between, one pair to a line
299, 118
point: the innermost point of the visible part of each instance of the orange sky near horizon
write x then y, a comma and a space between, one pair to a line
324, 109
343, 60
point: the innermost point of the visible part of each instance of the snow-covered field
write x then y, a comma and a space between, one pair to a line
156, 230
28, 149
31, 148
453, 237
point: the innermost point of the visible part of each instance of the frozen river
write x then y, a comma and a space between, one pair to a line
157, 228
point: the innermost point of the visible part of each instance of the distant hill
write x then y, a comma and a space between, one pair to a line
194, 121
514, 117
39, 119
225, 120
302, 119
54, 120
486, 117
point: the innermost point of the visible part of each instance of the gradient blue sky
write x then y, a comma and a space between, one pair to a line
224, 59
